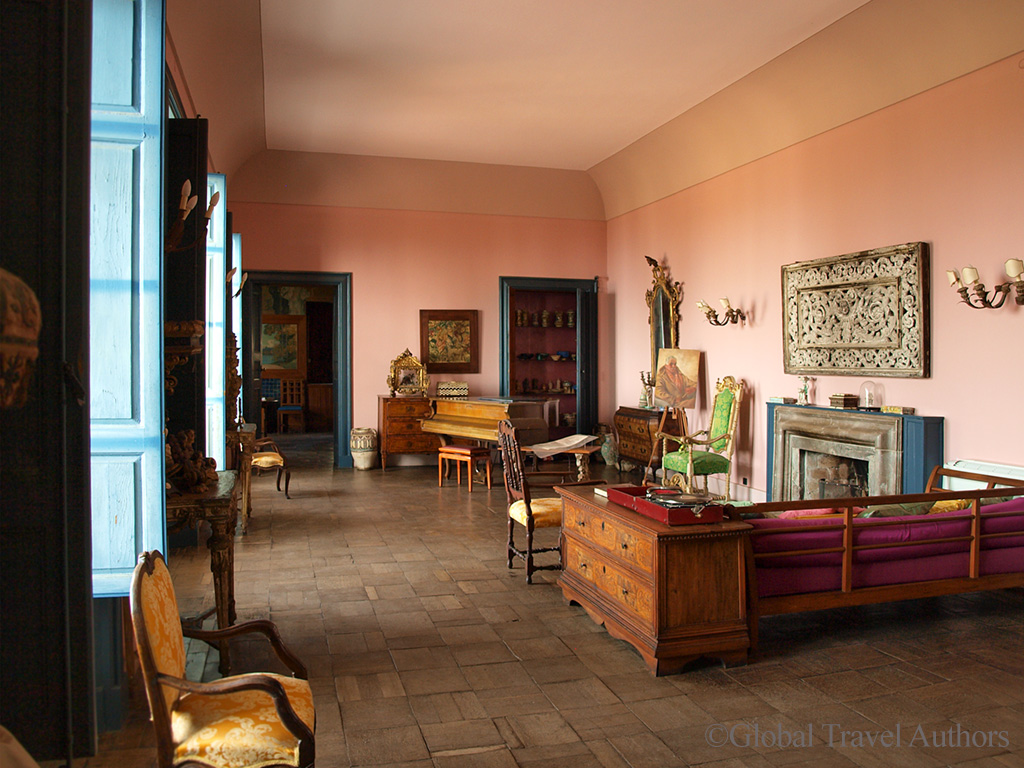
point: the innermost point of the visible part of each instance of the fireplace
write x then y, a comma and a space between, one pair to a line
823, 453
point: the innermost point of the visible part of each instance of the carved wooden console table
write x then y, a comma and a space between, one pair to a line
675, 593
241, 446
219, 507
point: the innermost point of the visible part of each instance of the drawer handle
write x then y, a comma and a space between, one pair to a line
602, 525
625, 546
583, 566
625, 592
581, 523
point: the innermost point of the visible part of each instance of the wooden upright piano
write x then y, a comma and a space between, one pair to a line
477, 419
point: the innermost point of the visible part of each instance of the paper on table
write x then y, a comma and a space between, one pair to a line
543, 450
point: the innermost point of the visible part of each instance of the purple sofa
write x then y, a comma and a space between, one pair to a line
802, 564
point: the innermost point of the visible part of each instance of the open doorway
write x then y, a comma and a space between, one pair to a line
297, 327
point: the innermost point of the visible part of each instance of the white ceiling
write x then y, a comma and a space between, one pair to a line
545, 83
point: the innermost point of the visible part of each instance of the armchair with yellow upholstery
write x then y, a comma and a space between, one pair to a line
709, 451
244, 720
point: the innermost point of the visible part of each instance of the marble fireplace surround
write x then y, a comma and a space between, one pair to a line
867, 437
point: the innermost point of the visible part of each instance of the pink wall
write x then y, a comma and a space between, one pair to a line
945, 167
405, 261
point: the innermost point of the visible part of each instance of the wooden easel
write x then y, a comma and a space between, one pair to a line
680, 418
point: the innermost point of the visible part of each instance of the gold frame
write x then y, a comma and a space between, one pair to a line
662, 299
408, 376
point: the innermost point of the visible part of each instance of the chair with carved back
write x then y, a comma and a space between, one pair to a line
293, 404
256, 719
527, 510
267, 455
709, 451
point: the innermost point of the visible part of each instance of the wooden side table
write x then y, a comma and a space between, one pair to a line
675, 593
219, 507
581, 454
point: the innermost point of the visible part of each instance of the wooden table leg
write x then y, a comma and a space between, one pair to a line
221, 546
582, 467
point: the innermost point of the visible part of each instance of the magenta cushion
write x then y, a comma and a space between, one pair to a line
801, 573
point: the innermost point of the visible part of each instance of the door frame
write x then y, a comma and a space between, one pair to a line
249, 342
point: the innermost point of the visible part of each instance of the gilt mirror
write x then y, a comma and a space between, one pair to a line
663, 306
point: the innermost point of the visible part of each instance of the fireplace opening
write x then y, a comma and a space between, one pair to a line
829, 476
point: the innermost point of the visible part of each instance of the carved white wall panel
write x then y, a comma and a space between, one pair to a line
859, 314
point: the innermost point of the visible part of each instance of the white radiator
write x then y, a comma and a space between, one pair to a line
984, 467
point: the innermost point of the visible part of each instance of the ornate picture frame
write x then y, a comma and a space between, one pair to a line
860, 314
450, 340
408, 376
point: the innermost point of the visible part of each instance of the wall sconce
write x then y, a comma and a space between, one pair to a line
731, 315
967, 281
177, 230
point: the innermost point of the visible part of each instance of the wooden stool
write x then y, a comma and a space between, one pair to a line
462, 454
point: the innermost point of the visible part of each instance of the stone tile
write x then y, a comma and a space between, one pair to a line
425, 681
386, 746
460, 735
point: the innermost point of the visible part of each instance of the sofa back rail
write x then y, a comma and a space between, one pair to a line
925, 543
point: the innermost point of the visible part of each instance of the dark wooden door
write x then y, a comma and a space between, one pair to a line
319, 342
46, 684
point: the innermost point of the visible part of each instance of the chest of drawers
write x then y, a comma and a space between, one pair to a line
398, 424
675, 593
635, 429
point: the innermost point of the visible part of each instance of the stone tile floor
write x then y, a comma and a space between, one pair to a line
425, 650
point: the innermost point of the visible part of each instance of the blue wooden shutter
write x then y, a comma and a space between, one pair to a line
125, 287
216, 319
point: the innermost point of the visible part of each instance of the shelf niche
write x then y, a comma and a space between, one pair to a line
528, 368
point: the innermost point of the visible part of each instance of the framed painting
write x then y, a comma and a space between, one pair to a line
860, 314
675, 381
450, 340
283, 345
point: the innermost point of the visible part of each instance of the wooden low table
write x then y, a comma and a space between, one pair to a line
581, 454
675, 593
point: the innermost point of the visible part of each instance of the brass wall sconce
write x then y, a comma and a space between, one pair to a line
732, 315
967, 281
177, 229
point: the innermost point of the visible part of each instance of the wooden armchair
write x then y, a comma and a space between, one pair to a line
244, 720
524, 509
712, 453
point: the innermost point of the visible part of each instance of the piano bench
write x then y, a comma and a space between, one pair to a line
463, 454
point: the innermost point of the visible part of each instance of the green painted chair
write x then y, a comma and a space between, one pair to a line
708, 452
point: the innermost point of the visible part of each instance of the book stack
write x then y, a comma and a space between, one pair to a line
904, 410
783, 400
846, 401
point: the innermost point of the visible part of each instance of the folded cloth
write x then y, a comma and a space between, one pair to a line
543, 450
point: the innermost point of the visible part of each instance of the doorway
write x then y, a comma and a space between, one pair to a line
331, 367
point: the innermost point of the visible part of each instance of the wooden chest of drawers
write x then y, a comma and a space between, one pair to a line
675, 593
635, 429
398, 425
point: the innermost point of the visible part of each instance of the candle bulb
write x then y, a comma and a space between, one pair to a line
191, 203
186, 189
969, 275
954, 279
1014, 269
724, 301
213, 204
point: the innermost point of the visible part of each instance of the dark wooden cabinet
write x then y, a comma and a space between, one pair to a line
549, 347
675, 593
398, 427
635, 430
